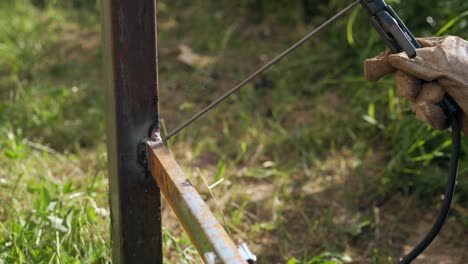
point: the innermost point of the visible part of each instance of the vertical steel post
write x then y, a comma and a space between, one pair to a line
130, 77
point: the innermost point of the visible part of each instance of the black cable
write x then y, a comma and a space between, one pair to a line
452, 111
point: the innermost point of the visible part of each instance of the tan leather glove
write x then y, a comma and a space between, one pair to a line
441, 66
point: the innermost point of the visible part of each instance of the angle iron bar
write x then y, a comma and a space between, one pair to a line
203, 228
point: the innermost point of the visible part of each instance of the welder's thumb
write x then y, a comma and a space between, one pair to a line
377, 67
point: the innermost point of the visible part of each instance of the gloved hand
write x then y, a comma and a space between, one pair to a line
441, 66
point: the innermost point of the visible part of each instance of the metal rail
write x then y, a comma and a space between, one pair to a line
204, 230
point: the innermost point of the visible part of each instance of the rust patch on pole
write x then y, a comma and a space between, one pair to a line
203, 228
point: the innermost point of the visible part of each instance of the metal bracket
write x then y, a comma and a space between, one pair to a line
247, 254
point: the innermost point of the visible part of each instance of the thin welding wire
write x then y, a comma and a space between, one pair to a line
259, 71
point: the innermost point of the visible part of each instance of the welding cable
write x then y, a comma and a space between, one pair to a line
453, 115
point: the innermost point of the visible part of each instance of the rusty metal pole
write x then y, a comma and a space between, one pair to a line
130, 82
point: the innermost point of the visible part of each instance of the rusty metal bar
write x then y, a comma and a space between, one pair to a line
203, 228
130, 83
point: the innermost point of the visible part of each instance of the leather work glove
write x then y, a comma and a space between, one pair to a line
441, 66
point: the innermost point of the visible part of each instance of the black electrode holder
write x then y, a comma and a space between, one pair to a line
390, 27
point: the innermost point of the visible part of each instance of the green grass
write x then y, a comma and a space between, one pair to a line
300, 157
53, 188
52, 211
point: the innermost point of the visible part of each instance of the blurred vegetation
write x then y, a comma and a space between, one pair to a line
53, 190
302, 156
